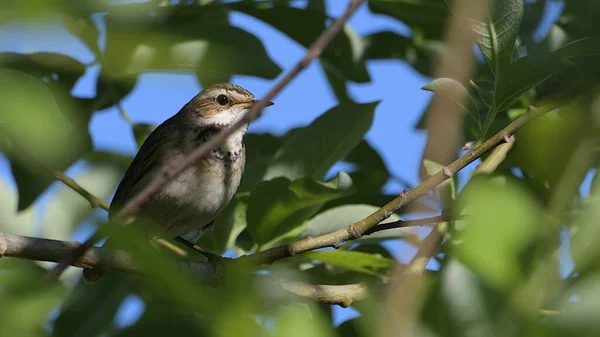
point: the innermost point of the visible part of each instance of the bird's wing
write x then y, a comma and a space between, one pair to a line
146, 160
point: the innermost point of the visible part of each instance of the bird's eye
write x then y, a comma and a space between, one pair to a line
222, 100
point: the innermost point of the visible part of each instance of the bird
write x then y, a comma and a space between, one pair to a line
189, 203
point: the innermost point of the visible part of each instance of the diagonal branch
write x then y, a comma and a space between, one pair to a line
360, 228
172, 172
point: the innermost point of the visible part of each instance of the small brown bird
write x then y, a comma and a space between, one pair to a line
189, 203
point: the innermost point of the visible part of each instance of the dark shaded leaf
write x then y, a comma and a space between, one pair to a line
341, 58
426, 18
228, 225
312, 150
525, 74
141, 131
278, 206
260, 149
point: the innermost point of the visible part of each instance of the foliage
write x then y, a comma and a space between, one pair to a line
520, 258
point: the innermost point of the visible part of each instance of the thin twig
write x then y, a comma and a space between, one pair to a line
342, 295
172, 172
406, 223
359, 228
92, 199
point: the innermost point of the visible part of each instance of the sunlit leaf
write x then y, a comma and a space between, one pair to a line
356, 261
454, 91
496, 36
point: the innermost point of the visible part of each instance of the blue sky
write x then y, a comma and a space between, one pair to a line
159, 96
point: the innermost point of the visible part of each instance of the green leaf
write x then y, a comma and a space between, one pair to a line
85, 29
496, 37
454, 91
426, 18
228, 225
75, 320
66, 70
312, 150
40, 135
12, 222
198, 39
493, 238
141, 131
586, 47
297, 320
342, 216
447, 189
356, 261
278, 206
342, 56
27, 298
524, 74
389, 45
260, 149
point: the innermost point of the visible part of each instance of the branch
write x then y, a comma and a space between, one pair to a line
361, 227
175, 170
406, 223
55, 251
92, 199
342, 295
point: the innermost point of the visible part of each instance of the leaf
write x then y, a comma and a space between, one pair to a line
496, 37
103, 299
29, 296
85, 29
447, 189
454, 91
312, 150
342, 216
525, 74
260, 149
141, 131
40, 136
586, 47
492, 238
426, 18
12, 222
198, 39
279, 205
388, 45
356, 261
342, 56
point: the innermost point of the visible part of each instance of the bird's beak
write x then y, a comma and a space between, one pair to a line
249, 104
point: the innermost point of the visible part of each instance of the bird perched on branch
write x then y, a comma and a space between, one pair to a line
186, 205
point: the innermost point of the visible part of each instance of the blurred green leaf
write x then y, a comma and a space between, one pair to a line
52, 67
586, 47
27, 298
312, 150
90, 308
85, 29
12, 222
577, 315
279, 205
299, 321
197, 39
342, 56
141, 131
525, 74
496, 36
426, 18
501, 219
341, 217
356, 261
454, 91
41, 136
